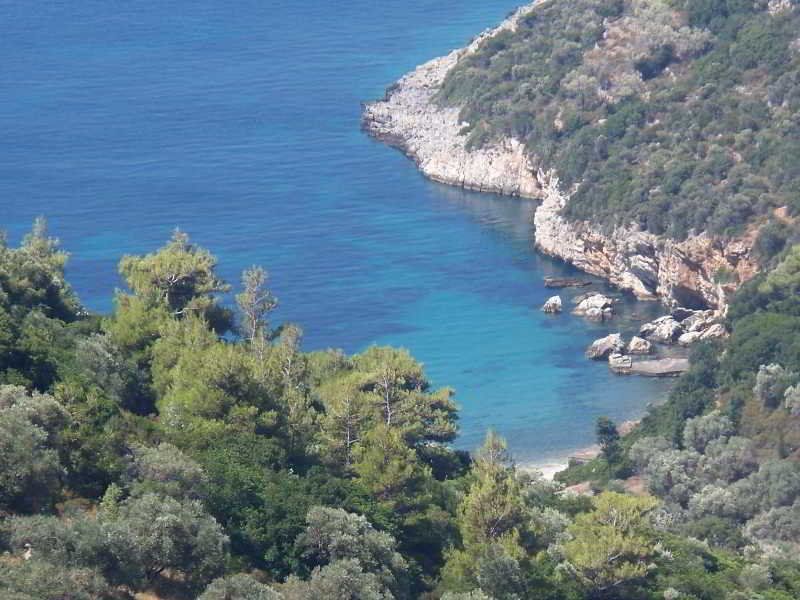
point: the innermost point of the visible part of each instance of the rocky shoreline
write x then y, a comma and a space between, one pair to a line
685, 273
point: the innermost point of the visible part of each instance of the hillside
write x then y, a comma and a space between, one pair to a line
179, 450
678, 116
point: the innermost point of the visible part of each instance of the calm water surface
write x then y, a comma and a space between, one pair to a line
238, 122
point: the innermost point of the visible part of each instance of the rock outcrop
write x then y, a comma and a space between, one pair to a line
601, 348
698, 325
553, 305
680, 273
409, 119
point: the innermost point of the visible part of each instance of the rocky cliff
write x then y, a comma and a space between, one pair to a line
697, 273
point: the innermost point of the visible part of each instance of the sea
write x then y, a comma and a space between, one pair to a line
238, 122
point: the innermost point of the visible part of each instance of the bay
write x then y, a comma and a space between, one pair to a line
239, 123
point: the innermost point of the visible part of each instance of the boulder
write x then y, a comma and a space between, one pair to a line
699, 321
553, 305
581, 297
596, 306
664, 329
611, 344
639, 345
619, 363
717, 330
688, 338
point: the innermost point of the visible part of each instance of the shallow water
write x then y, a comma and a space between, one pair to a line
238, 122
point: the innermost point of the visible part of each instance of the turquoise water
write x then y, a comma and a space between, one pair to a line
238, 122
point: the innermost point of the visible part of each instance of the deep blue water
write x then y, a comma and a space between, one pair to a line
238, 122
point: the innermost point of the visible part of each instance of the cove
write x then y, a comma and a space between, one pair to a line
239, 124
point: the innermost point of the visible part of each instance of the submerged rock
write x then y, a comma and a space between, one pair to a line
555, 282
611, 344
553, 305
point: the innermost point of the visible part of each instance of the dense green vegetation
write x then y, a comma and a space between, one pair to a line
183, 449
674, 115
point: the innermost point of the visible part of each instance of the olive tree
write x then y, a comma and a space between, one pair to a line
342, 579
167, 471
30, 471
335, 535
238, 587
150, 534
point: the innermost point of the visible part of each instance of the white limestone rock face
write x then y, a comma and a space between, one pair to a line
680, 273
408, 119
639, 345
553, 305
601, 348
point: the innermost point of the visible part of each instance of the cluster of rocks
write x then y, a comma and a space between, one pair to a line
621, 360
614, 344
592, 306
684, 327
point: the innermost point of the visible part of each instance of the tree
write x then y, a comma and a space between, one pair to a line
179, 276
165, 470
343, 580
499, 574
333, 535
390, 470
32, 276
150, 534
610, 546
608, 439
255, 303
30, 471
39, 580
494, 505
239, 587
345, 419
399, 390
700, 431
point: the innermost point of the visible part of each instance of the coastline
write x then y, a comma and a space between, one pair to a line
550, 466
678, 273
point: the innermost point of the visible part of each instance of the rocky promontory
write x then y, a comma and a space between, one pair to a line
680, 273
409, 119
